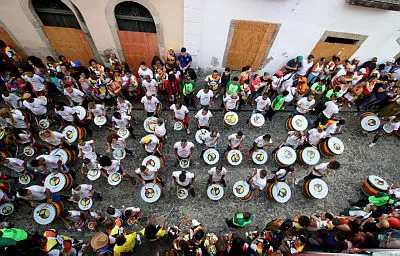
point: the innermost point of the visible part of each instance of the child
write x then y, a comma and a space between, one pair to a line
86, 147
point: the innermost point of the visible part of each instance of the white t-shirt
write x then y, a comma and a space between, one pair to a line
123, 122
151, 173
84, 191
11, 99
98, 110
262, 104
230, 102
276, 81
57, 139
314, 136
286, 82
322, 168
76, 95
24, 138
294, 140
180, 113
203, 119
183, 151
204, 97
235, 141
38, 106
331, 129
150, 105
261, 142
152, 145
331, 108
210, 141
150, 86
67, 114
261, 183
19, 121
189, 177
356, 78
114, 167
305, 104
124, 106
391, 126
305, 66
120, 143
87, 148
15, 164
160, 130
38, 193
177, 75
50, 161
217, 176
36, 81
142, 73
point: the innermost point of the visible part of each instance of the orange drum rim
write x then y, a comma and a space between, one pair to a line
269, 191
368, 189
59, 207
289, 124
306, 190
68, 181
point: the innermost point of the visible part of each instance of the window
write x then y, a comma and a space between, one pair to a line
134, 17
338, 40
55, 13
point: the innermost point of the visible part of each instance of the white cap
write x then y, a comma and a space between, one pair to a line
357, 58
195, 222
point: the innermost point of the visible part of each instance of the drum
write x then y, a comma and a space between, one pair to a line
257, 120
132, 220
73, 133
308, 155
200, 134
184, 163
331, 147
148, 124
315, 188
92, 225
2, 133
279, 192
7, 209
297, 123
179, 126
150, 192
231, 118
259, 156
82, 114
25, 179
114, 178
119, 153
241, 189
234, 157
93, 174
123, 132
374, 185
215, 192
66, 155
100, 120
58, 182
153, 161
45, 123
211, 156
85, 203
285, 156
45, 214
29, 151
369, 121
182, 193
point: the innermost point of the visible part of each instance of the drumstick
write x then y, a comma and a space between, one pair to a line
16, 152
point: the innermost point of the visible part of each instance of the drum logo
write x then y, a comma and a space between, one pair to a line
336, 146
178, 125
92, 173
235, 158
298, 122
239, 189
215, 191
119, 153
85, 201
1, 132
282, 192
69, 134
44, 213
28, 152
260, 157
181, 193
23, 178
100, 118
379, 182
115, 177
91, 225
318, 187
230, 119
151, 163
257, 120
7, 210
287, 154
310, 154
371, 122
54, 181
211, 156
184, 162
149, 192
122, 132
43, 124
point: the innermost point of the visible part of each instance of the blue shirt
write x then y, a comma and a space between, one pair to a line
184, 60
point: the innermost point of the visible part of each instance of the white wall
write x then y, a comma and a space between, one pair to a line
206, 26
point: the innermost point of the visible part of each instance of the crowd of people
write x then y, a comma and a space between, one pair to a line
40, 96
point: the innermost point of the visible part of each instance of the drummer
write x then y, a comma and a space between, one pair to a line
96, 110
235, 141
388, 129
257, 180
231, 102
37, 106
15, 164
16, 121
39, 194
122, 121
55, 139
114, 141
180, 113
217, 175
89, 164
85, 191
184, 179
334, 127
315, 136
183, 150
50, 163
203, 118
149, 174
86, 147
320, 171
262, 105
123, 105
160, 131
281, 174
150, 104
260, 143
74, 96
213, 81
331, 108
108, 166
66, 114
304, 105
211, 139
205, 97
151, 146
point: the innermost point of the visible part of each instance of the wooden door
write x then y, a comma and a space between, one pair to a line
327, 50
70, 42
249, 44
8, 40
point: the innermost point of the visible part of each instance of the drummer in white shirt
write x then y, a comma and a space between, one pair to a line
183, 150
257, 180
86, 147
217, 175
108, 167
235, 141
294, 139
185, 179
151, 146
260, 143
96, 110
122, 121
205, 97
37, 106
211, 139
160, 131
39, 194
123, 105
304, 105
180, 113
203, 118
150, 85
331, 109
320, 171
67, 115
262, 104
51, 163
150, 104
55, 139
85, 191
15, 164
74, 96
315, 136
388, 129
149, 174
231, 102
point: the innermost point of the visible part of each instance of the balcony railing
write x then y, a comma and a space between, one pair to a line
393, 5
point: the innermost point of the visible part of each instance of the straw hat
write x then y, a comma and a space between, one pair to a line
26, 96
99, 241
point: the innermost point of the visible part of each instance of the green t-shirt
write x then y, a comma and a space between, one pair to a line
381, 199
278, 102
317, 87
329, 94
232, 88
239, 220
14, 233
188, 87
7, 242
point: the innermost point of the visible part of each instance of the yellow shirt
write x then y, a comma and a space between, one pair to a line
127, 246
160, 233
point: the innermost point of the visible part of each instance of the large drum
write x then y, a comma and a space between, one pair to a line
85, 203
285, 156
114, 178
150, 192
44, 214
123, 133
74, 133
100, 120
308, 155
82, 114
315, 188
152, 161
66, 155
297, 123
259, 156
25, 179
182, 193
58, 182
257, 120
234, 157
93, 174
119, 153
231, 118
279, 192
184, 163
7, 209
149, 124
200, 134
2, 133
374, 185
45, 123
211, 156
179, 126
215, 192
241, 189
29, 151
369, 121
331, 147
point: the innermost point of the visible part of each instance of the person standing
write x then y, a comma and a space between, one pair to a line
240, 219
185, 179
388, 129
277, 104
225, 79
303, 105
180, 113
183, 150
235, 141
320, 171
205, 97
188, 92
257, 180
184, 60
260, 142
331, 110
150, 105
217, 175
203, 118
306, 65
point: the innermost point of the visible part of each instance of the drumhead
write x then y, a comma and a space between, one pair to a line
44, 123
100, 120
257, 120
44, 214
28, 151
234, 157
114, 178
61, 154
85, 203
310, 156
178, 126
215, 192
93, 174
299, 123
55, 182
200, 134
119, 153
281, 192
335, 145
150, 192
124, 133
241, 188
6, 209
286, 155
81, 112
150, 128
152, 161
318, 188
259, 156
24, 179
211, 156
378, 183
71, 133
184, 163
182, 193
231, 118
370, 122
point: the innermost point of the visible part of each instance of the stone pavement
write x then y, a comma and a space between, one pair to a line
357, 162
